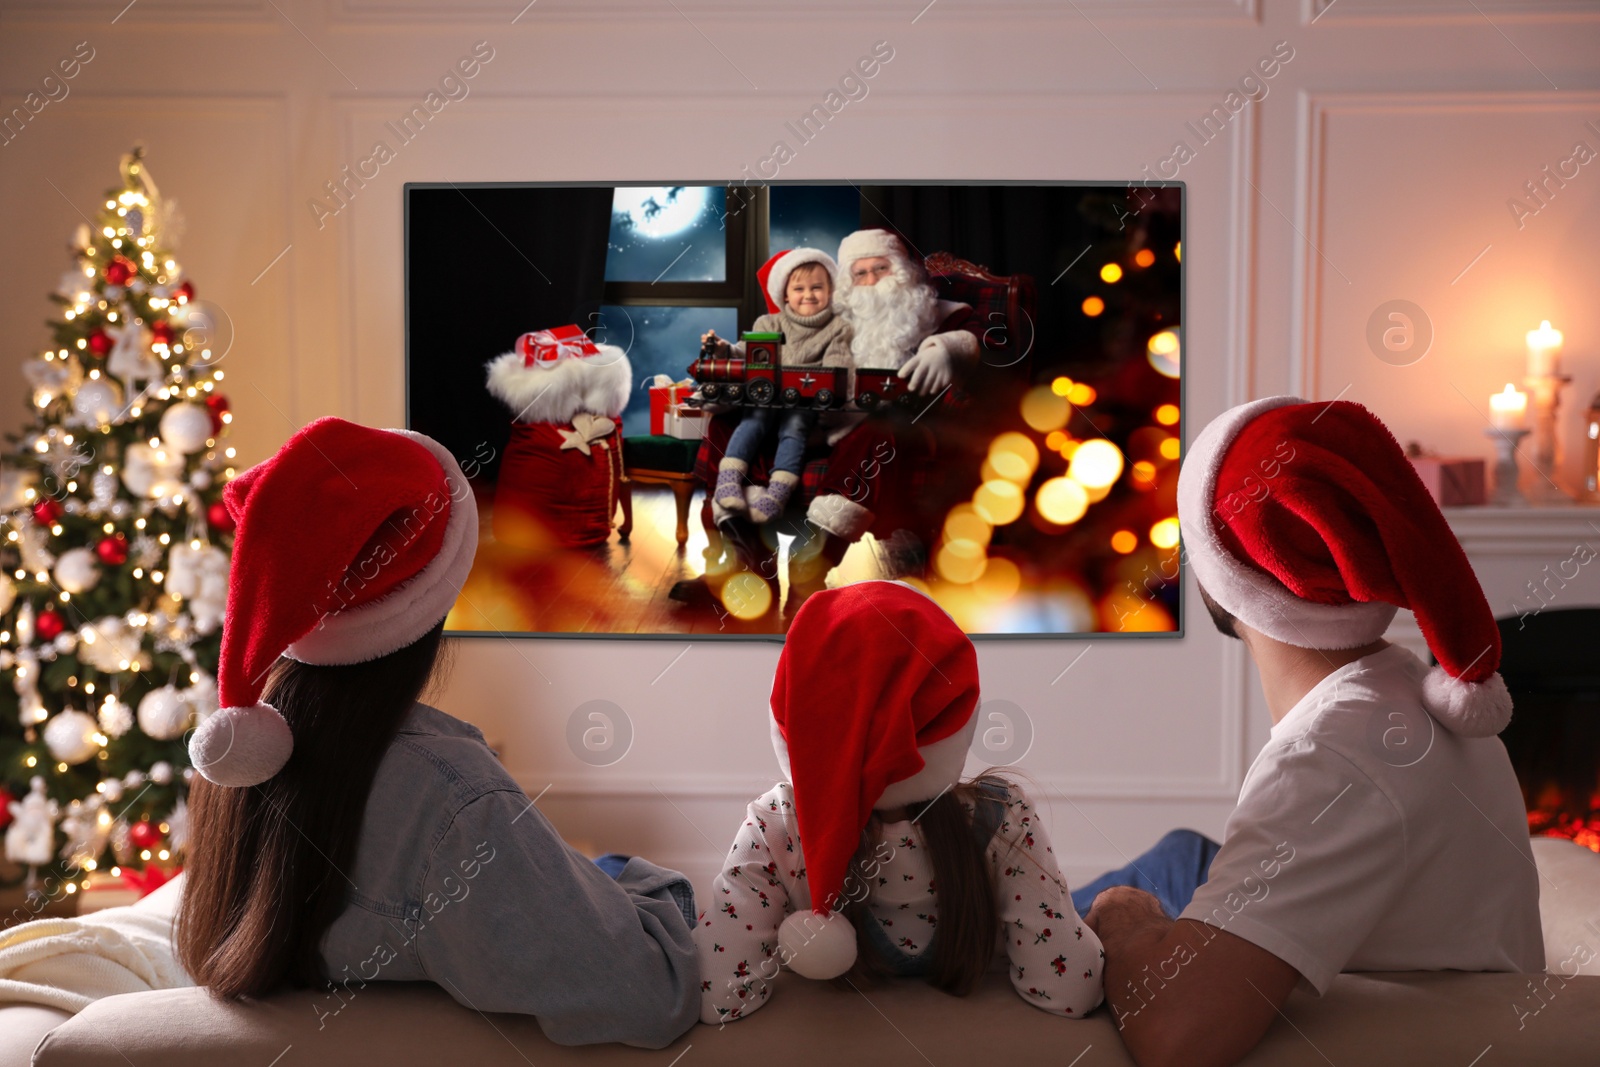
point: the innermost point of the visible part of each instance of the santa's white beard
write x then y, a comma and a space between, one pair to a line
888, 320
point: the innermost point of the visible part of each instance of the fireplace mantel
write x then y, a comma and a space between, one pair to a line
1527, 560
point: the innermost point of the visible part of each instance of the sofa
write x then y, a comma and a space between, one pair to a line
1410, 1019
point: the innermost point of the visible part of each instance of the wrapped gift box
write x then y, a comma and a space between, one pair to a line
663, 398
685, 422
1453, 481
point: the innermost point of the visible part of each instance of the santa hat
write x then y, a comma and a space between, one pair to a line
774, 273
396, 530
1307, 523
872, 706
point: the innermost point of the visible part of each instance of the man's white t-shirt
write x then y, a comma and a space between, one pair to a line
1368, 837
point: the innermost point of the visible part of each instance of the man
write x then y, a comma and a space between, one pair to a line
897, 323
1381, 828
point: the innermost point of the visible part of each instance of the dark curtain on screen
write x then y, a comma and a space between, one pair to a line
1011, 229
483, 267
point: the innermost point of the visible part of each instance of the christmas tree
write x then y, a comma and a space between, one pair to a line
114, 550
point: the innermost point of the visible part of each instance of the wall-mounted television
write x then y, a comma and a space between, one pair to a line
684, 408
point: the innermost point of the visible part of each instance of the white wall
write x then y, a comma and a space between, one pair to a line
1378, 166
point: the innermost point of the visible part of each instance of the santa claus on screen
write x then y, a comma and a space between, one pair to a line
898, 322
562, 467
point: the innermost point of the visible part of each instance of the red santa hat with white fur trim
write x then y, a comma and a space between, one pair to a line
397, 531
774, 273
873, 706
1306, 522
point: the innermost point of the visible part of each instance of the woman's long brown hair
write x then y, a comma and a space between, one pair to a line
268, 865
969, 915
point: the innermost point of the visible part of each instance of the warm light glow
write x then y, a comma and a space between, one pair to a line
1055, 439
1167, 414
1082, 395
1508, 409
1096, 464
1164, 534
1062, 501
1061, 386
998, 502
746, 596
1044, 410
1014, 457
1164, 353
1124, 541
1177, 251
1093, 306
961, 562
1111, 272
1171, 448
1000, 580
1144, 257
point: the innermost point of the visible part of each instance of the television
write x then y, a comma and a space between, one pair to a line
681, 414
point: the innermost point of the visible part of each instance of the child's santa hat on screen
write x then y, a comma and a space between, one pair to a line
873, 705
395, 531
774, 273
1308, 523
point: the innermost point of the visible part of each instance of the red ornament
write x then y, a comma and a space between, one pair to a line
144, 834
100, 342
46, 511
217, 515
5, 806
216, 406
161, 332
48, 625
119, 271
184, 293
113, 550
150, 879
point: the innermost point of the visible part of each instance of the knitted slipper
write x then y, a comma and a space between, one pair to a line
729, 490
774, 498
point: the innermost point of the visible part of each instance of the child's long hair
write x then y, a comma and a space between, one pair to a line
969, 915
266, 865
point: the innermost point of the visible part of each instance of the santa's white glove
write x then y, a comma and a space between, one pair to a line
932, 369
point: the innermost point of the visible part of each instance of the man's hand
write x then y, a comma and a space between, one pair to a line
1122, 912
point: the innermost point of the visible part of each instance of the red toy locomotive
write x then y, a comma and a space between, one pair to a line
760, 379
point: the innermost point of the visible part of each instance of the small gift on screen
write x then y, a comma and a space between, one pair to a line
685, 422
664, 394
1452, 481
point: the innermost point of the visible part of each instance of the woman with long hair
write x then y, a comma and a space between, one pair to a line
344, 833
873, 857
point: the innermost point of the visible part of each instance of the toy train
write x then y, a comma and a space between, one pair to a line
759, 379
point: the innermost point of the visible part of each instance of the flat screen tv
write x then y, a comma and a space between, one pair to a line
684, 409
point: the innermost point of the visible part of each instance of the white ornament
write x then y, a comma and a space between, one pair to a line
186, 427
76, 570
65, 642
83, 237
96, 402
109, 644
31, 837
70, 736
8, 593
164, 714
36, 554
161, 772
102, 489
116, 719
14, 486
86, 834
133, 779
24, 625
200, 576
152, 472
201, 478
48, 377
111, 789
74, 286
130, 357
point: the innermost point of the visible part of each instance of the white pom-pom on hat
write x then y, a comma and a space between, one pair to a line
817, 946
241, 746
1470, 709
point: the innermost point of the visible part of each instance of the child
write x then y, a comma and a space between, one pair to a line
904, 870
799, 289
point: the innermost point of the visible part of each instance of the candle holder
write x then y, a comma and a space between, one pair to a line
1544, 397
1507, 494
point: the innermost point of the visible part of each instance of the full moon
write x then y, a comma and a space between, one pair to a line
655, 212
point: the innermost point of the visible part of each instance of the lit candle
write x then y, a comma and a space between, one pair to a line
1508, 408
1544, 351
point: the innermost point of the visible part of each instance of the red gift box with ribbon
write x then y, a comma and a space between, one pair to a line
544, 347
662, 399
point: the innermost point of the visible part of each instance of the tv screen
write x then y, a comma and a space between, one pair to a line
684, 409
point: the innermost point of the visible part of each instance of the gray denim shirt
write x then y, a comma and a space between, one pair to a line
459, 880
